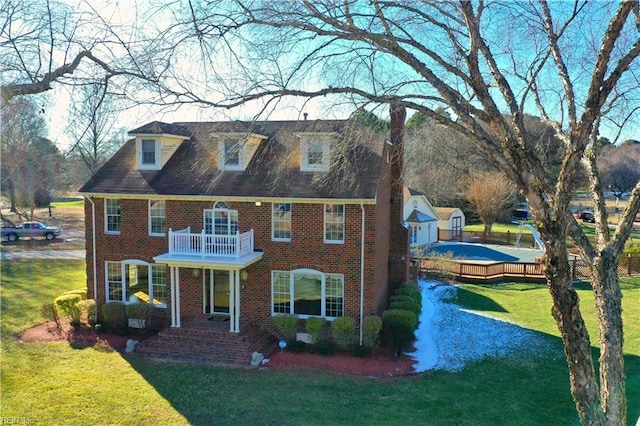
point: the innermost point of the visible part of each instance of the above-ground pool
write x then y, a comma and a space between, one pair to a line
480, 252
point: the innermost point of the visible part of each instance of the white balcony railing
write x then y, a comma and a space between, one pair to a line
185, 242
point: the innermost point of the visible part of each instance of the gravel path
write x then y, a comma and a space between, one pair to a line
449, 337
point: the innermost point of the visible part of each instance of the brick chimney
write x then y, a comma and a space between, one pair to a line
399, 235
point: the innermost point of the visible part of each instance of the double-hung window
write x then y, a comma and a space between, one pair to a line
334, 223
307, 292
112, 215
315, 155
134, 281
281, 222
232, 153
157, 218
148, 152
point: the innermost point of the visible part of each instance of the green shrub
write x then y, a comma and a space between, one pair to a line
50, 313
324, 348
361, 351
371, 331
142, 313
314, 326
82, 292
343, 332
399, 326
287, 326
114, 315
296, 345
408, 305
632, 247
67, 304
90, 307
412, 291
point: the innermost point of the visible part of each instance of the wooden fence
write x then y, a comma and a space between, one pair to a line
467, 271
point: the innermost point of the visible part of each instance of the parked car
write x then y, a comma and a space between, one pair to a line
30, 229
587, 217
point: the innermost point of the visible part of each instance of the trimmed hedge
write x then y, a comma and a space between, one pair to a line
408, 305
343, 332
371, 331
314, 326
141, 312
412, 292
91, 308
287, 326
68, 305
399, 326
114, 315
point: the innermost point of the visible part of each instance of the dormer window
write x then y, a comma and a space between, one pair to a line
148, 151
232, 154
148, 154
315, 154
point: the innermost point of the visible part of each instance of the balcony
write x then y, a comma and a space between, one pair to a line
209, 250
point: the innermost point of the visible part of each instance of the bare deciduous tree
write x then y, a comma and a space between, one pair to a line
488, 193
487, 64
92, 128
619, 167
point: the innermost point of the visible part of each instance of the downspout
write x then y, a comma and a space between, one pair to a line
93, 247
362, 276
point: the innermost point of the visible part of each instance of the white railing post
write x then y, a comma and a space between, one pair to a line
170, 240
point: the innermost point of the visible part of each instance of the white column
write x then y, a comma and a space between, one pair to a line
177, 297
236, 274
232, 302
173, 296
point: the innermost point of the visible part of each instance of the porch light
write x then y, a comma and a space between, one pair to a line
258, 203
244, 275
195, 272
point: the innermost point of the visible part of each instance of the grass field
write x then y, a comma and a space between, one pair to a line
53, 383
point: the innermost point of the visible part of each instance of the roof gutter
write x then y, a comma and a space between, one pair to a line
93, 248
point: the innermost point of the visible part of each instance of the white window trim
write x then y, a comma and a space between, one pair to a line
324, 224
291, 292
149, 216
273, 221
123, 265
304, 155
242, 155
158, 148
106, 217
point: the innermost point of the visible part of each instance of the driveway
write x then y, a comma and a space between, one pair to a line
43, 254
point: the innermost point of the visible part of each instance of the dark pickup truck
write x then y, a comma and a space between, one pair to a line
30, 229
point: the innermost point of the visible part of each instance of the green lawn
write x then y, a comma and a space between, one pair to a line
53, 383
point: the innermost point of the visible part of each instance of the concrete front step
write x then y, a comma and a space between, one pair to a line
209, 342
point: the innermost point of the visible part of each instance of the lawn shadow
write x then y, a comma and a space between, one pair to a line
477, 302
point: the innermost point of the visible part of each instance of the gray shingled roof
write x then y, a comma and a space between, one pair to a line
274, 170
417, 216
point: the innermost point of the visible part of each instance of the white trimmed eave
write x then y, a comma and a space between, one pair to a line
167, 197
160, 135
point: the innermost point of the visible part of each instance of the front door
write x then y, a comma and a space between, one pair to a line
216, 291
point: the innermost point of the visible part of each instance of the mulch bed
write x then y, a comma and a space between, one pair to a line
381, 363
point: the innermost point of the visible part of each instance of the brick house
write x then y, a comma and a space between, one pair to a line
249, 220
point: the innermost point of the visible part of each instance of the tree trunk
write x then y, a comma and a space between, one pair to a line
575, 339
608, 300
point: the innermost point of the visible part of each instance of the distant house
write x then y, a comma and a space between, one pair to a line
451, 223
249, 220
421, 217
428, 224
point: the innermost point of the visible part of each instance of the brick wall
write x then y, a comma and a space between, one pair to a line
305, 250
